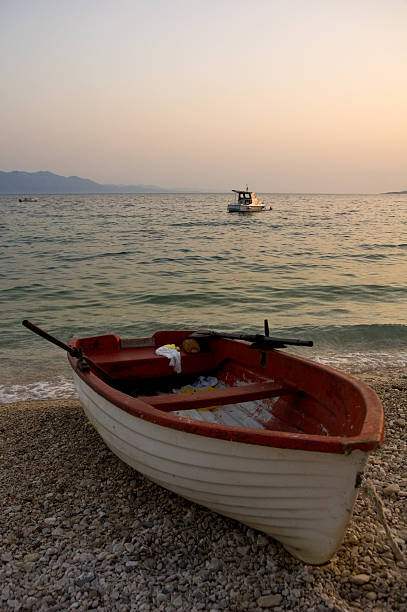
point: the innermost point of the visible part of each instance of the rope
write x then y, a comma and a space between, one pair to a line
378, 504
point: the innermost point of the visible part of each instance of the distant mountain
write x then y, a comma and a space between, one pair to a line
46, 182
394, 192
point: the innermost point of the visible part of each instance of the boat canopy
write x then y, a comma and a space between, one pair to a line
243, 195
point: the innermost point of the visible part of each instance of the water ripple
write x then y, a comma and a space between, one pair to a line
330, 266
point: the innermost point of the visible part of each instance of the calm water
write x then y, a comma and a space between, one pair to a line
331, 268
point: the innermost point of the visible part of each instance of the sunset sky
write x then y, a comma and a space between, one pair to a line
285, 95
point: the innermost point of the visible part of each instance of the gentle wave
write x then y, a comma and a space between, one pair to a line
274, 297
59, 388
362, 336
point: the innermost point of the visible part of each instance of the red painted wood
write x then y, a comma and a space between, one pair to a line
353, 405
306, 414
203, 399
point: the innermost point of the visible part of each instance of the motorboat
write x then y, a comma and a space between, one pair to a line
245, 202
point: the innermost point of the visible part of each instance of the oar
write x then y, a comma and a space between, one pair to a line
263, 355
73, 351
259, 341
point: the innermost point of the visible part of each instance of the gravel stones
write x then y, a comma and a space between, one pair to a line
269, 601
83, 531
359, 579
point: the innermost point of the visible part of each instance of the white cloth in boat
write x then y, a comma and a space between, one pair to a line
202, 383
253, 414
172, 353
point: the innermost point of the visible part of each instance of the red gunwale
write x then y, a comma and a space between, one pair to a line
369, 438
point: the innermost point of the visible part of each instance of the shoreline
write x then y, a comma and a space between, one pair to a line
82, 530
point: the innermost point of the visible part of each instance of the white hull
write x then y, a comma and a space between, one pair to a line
303, 499
245, 208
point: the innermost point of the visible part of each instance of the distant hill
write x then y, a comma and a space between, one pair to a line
394, 192
46, 182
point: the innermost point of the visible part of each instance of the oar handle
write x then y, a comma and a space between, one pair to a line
40, 332
74, 352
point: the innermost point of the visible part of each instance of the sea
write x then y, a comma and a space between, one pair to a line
326, 268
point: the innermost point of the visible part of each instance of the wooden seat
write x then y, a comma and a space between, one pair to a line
217, 397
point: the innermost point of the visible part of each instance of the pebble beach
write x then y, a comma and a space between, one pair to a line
81, 530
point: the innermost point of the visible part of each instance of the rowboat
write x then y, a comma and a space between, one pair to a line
269, 438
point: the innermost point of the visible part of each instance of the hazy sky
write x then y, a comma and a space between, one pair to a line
285, 95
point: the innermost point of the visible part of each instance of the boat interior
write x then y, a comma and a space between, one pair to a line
237, 385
